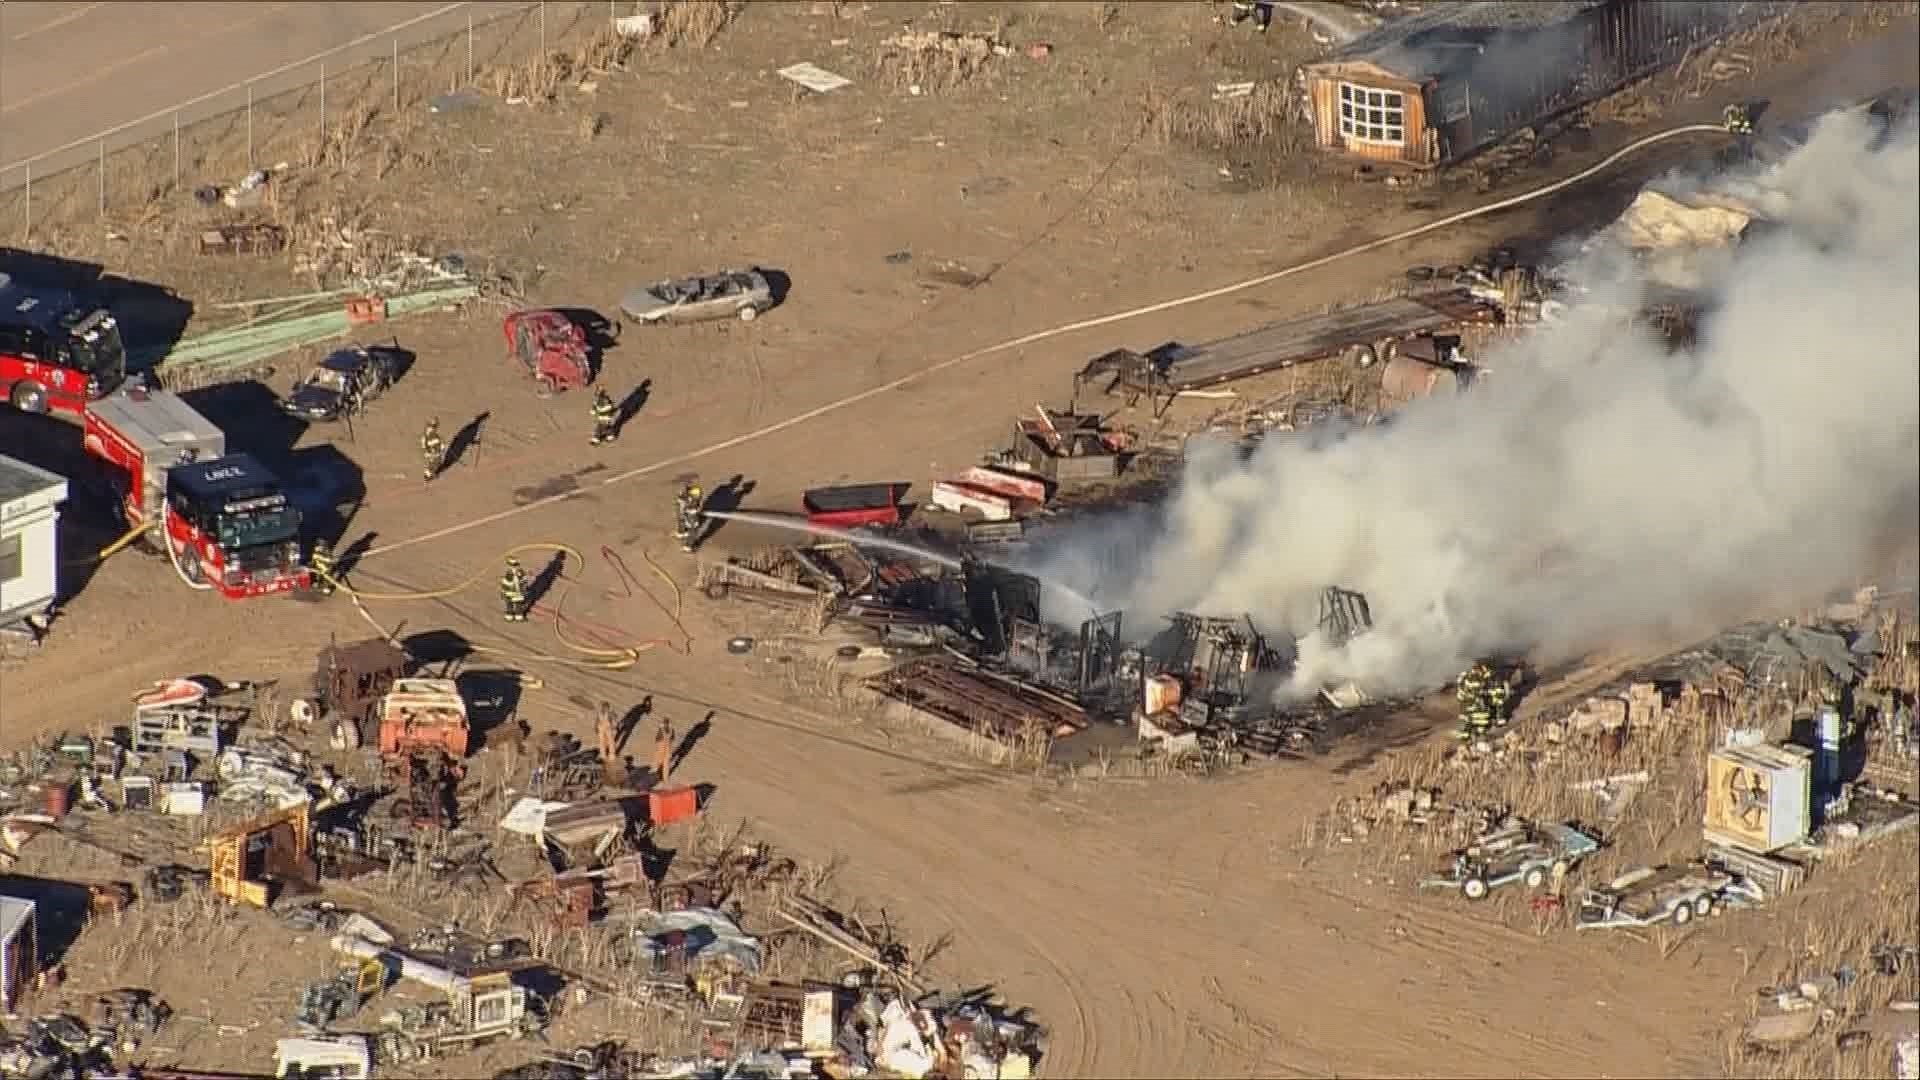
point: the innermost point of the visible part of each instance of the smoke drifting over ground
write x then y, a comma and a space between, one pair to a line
1594, 485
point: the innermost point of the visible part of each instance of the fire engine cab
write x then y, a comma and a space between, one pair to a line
55, 351
222, 519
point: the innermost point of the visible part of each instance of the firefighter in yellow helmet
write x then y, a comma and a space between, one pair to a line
1737, 120
513, 592
688, 519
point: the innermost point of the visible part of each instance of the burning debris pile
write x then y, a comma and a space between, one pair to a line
1475, 547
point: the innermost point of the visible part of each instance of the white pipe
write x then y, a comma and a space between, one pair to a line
417, 970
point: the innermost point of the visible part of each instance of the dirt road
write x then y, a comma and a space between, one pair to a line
70, 70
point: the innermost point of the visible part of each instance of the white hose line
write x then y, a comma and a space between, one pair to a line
1042, 335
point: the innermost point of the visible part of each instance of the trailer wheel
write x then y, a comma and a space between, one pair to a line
303, 713
1536, 877
715, 590
1703, 906
1361, 356
1683, 915
29, 397
1474, 888
749, 313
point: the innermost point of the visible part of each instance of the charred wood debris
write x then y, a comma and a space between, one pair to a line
969, 647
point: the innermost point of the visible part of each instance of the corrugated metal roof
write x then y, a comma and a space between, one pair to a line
14, 914
18, 480
1417, 46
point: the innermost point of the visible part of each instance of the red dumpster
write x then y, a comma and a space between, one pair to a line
668, 805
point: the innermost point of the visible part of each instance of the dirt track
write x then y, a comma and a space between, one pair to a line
1158, 930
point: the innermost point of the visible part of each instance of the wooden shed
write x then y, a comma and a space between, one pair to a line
1430, 89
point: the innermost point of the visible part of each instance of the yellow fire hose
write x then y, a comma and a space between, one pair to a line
617, 658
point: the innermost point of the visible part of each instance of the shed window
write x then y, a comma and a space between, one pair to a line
1375, 116
10, 564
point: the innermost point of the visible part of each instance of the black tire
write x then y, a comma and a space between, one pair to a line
1474, 889
740, 646
1683, 915
1703, 906
29, 397
1535, 878
714, 590
190, 567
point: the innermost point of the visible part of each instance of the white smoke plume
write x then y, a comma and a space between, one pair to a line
1595, 484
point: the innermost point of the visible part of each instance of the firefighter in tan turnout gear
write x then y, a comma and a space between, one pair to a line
606, 417
320, 563
1476, 712
513, 592
432, 451
688, 516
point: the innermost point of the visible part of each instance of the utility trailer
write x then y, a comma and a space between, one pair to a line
1367, 332
1667, 894
1516, 851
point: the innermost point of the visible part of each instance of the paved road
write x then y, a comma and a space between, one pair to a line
69, 70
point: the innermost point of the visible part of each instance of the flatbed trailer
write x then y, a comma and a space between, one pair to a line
1668, 894
1317, 337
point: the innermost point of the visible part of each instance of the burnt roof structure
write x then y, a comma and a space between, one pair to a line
1432, 88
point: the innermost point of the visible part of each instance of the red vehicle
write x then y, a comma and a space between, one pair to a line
55, 351
853, 505
551, 348
222, 519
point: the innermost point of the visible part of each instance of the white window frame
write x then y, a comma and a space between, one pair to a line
1370, 115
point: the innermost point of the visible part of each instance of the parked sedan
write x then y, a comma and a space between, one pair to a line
730, 294
343, 379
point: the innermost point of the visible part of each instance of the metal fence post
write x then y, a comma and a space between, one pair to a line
249, 129
102, 144
176, 148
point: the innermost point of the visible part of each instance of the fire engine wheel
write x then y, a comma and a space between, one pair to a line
190, 566
1683, 915
29, 397
749, 313
1536, 877
1474, 888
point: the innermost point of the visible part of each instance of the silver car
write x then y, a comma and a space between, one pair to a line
730, 294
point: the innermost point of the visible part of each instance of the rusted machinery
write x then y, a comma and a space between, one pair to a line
423, 714
428, 782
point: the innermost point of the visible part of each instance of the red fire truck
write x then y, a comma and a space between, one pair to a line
56, 352
222, 519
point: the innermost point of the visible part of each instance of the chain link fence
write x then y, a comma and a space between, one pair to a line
297, 115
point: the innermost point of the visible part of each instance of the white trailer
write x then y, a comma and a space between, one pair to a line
1669, 894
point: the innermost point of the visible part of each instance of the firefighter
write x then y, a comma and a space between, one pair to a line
688, 520
321, 563
432, 451
1260, 11
1471, 692
606, 416
1736, 120
1499, 691
663, 750
513, 592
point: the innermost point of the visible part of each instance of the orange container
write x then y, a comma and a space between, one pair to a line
59, 797
668, 805
366, 309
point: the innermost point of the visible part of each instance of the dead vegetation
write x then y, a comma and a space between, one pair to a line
937, 61
1262, 115
695, 23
